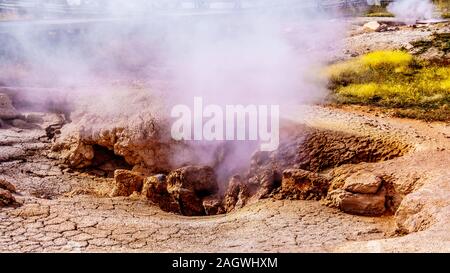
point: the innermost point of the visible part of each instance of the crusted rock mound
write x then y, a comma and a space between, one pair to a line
237, 194
190, 190
142, 140
134, 130
293, 170
360, 192
127, 182
155, 189
190, 185
304, 185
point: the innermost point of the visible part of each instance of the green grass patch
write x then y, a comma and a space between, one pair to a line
393, 79
378, 11
380, 14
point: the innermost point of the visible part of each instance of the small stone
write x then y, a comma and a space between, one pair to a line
127, 182
358, 203
373, 25
363, 182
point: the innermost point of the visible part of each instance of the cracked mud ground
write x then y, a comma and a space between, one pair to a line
63, 211
91, 224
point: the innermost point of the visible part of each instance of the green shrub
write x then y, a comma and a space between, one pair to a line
391, 79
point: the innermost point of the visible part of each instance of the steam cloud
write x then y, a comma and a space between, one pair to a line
412, 10
248, 56
242, 56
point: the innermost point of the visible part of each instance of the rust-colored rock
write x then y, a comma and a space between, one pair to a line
303, 185
155, 184
127, 182
189, 185
155, 189
189, 191
363, 182
236, 195
196, 178
74, 152
263, 182
359, 203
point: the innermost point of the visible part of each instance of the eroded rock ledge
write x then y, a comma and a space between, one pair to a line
310, 164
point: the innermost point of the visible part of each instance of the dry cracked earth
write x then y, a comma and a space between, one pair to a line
59, 209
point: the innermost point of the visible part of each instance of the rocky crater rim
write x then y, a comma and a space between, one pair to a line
304, 167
